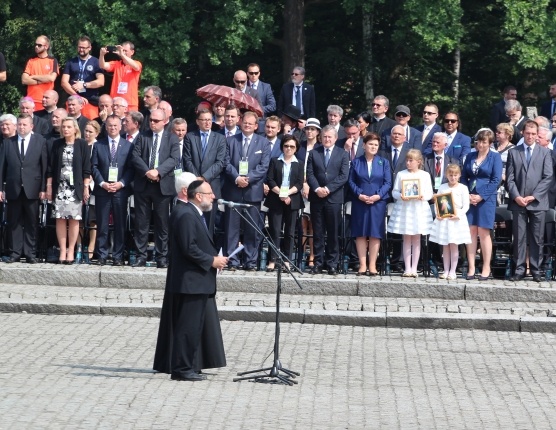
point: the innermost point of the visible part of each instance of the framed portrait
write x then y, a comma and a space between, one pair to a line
411, 188
444, 205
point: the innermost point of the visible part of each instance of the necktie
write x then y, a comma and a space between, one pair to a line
203, 145
425, 132
449, 142
552, 108
129, 137
245, 147
352, 151
438, 166
153, 152
22, 149
298, 96
204, 221
528, 155
113, 151
327, 157
228, 133
395, 159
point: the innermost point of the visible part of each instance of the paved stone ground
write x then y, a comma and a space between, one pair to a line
73, 371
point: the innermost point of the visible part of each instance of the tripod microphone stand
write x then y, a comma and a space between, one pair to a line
276, 373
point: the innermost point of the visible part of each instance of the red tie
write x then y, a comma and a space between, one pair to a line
129, 137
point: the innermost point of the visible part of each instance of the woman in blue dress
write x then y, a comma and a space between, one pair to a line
481, 173
370, 180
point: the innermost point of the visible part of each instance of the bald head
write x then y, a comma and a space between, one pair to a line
240, 80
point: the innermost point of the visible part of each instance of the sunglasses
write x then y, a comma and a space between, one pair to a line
240, 82
402, 114
253, 73
296, 74
288, 146
450, 121
428, 113
39, 45
376, 105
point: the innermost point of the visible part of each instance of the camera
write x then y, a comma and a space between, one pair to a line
111, 48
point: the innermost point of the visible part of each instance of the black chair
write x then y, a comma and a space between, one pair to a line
502, 240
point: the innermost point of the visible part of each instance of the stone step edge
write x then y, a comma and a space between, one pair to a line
413, 320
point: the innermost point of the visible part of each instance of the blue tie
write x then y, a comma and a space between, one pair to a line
298, 96
395, 160
203, 144
327, 157
528, 155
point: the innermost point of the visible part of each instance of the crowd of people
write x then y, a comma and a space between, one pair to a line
364, 177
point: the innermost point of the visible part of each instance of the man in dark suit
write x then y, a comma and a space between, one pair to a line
529, 174
291, 118
27, 106
155, 156
231, 121
299, 94
335, 113
247, 161
498, 111
132, 126
23, 163
152, 95
429, 127
397, 152
516, 119
49, 101
380, 121
75, 106
352, 143
266, 98
436, 162
272, 128
459, 144
240, 82
204, 155
191, 277
112, 173
548, 108
412, 135
327, 173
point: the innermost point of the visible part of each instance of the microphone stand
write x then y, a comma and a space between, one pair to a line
274, 372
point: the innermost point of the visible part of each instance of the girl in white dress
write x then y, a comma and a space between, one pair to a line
411, 216
452, 229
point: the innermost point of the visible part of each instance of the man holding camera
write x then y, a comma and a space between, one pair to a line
127, 71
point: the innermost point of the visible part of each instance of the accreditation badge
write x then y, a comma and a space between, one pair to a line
243, 167
437, 182
122, 88
113, 174
284, 191
177, 172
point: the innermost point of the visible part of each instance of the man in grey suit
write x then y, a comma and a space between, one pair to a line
23, 163
266, 98
529, 172
155, 156
204, 155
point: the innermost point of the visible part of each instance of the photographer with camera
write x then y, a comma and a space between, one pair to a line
127, 71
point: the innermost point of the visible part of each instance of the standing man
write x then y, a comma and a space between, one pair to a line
49, 102
335, 113
131, 125
412, 135
27, 106
191, 277
231, 121
83, 77
247, 160
75, 110
548, 109
327, 173
459, 144
40, 72
436, 162
23, 163
380, 121
353, 142
8, 125
105, 109
204, 155
152, 95
498, 112
266, 98
516, 119
529, 174
155, 156
271, 130
127, 72
120, 107
240, 82
112, 173
429, 127
299, 94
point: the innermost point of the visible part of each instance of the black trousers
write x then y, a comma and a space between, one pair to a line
276, 217
23, 221
189, 316
326, 218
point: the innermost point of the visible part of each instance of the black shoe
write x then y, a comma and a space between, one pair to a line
117, 262
161, 264
537, 278
316, 270
189, 376
332, 272
250, 269
231, 268
101, 261
141, 262
10, 260
517, 278
32, 260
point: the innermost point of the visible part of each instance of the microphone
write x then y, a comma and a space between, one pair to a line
233, 204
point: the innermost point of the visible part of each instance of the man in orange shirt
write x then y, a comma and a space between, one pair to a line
40, 72
127, 71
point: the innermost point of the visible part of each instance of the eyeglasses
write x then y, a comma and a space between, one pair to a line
115, 105
376, 105
288, 146
156, 121
554, 120
253, 73
240, 82
204, 119
450, 121
39, 45
429, 113
402, 114
200, 192
296, 74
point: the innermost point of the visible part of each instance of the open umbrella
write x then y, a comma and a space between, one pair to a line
221, 94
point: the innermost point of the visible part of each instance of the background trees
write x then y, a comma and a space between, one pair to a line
456, 53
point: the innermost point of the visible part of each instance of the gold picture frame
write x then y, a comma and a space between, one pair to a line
444, 205
411, 188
